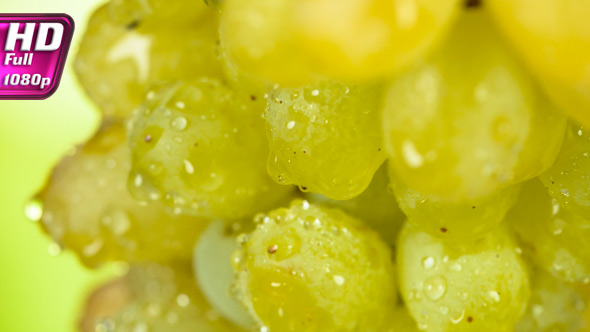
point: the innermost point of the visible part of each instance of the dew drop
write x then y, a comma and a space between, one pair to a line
456, 267
188, 167
495, 296
428, 262
435, 287
339, 280
54, 249
179, 123
182, 300
138, 180
411, 155
34, 210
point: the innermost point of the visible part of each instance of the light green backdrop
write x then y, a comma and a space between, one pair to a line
40, 292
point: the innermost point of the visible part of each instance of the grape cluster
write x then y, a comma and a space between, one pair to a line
332, 166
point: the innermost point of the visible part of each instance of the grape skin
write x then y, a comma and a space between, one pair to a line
150, 14
454, 221
556, 238
469, 121
152, 297
480, 285
325, 137
200, 149
88, 209
376, 206
118, 61
302, 42
568, 179
553, 38
307, 268
214, 272
554, 306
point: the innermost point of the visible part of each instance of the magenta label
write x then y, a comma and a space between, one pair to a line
33, 52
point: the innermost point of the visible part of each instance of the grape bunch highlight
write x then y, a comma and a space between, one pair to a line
332, 166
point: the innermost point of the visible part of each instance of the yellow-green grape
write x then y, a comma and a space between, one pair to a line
152, 297
376, 206
470, 120
152, 13
555, 306
568, 180
325, 138
553, 37
401, 321
307, 268
201, 149
118, 61
241, 82
557, 238
451, 220
297, 42
214, 272
480, 285
87, 208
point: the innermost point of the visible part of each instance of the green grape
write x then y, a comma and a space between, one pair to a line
118, 61
556, 237
213, 3
324, 137
553, 38
201, 149
473, 286
152, 297
375, 206
240, 81
299, 42
554, 306
88, 209
470, 120
454, 221
401, 321
568, 180
308, 268
214, 272
153, 13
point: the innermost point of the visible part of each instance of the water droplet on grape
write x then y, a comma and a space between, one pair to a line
435, 287
34, 210
428, 262
179, 123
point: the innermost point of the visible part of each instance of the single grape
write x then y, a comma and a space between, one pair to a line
200, 149
376, 206
556, 238
555, 306
454, 221
88, 209
480, 285
553, 38
469, 121
325, 138
308, 268
214, 272
120, 58
297, 43
152, 297
568, 180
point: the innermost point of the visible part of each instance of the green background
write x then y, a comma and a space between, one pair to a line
38, 291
